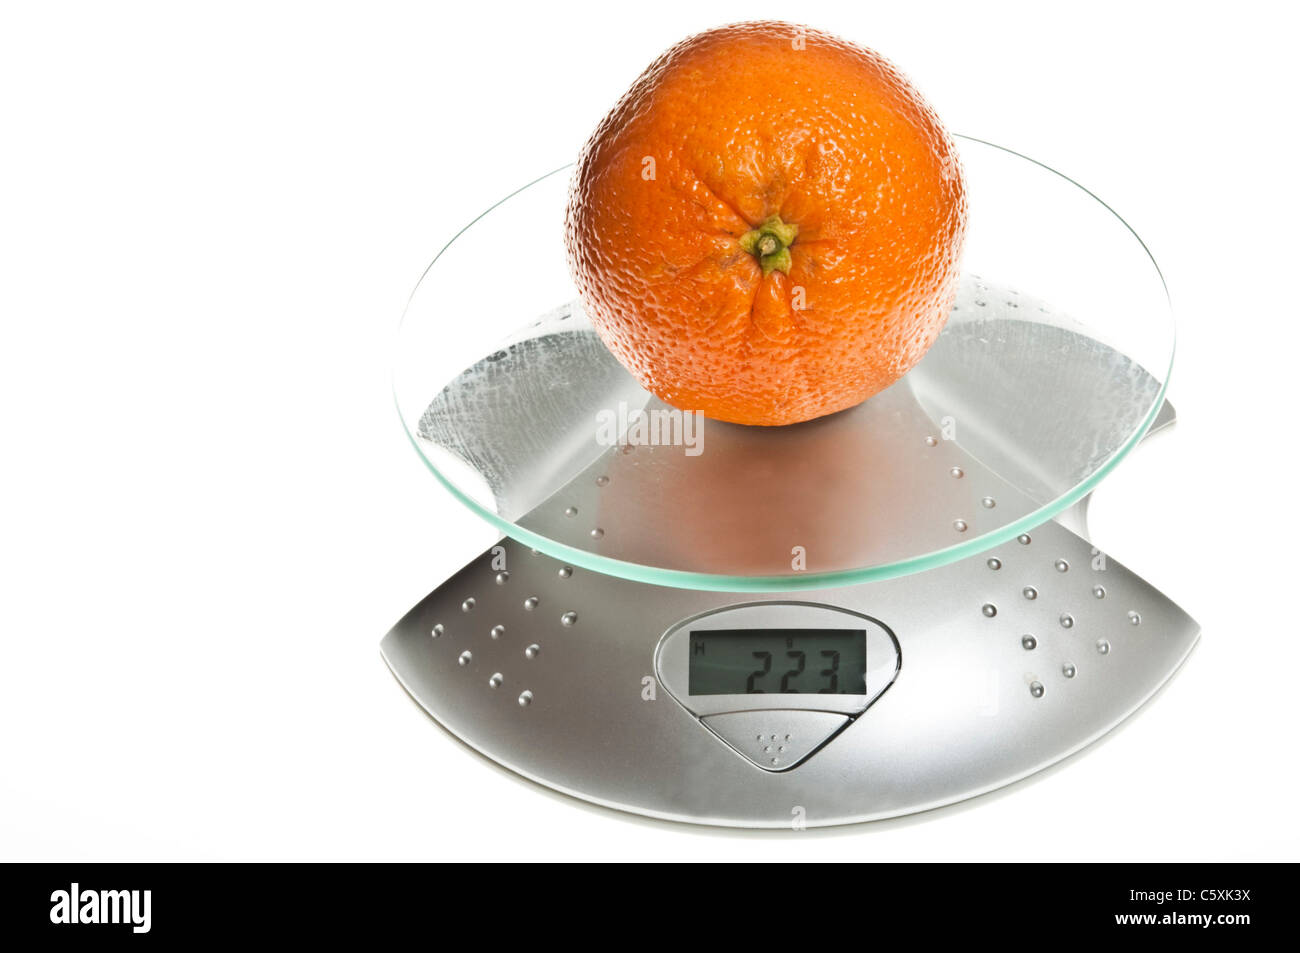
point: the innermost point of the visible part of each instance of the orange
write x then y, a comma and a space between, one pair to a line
766, 227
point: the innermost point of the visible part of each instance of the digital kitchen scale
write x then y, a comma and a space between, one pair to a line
873, 613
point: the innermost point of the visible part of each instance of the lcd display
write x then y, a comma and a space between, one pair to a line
778, 662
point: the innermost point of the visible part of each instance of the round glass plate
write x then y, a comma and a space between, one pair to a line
1051, 367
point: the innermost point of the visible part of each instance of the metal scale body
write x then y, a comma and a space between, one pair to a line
997, 639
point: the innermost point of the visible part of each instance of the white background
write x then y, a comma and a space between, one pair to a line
211, 216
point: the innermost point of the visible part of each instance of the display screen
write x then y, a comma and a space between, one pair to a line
778, 662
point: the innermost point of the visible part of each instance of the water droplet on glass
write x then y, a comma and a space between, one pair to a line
502, 577
437, 630
988, 502
1068, 670
532, 650
1134, 618
1067, 620
1062, 566
1029, 643
1024, 539
957, 473
932, 441
995, 563
525, 699
1103, 646
531, 603
989, 610
959, 525
467, 604
1099, 592
1036, 689
497, 631
597, 533
570, 511
602, 481
565, 572
1030, 593
495, 681
465, 657
569, 618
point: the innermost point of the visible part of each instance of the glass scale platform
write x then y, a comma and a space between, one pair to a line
877, 612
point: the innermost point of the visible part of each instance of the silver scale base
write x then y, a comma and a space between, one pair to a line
979, 672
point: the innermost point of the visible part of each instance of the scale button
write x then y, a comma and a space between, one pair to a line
776, 740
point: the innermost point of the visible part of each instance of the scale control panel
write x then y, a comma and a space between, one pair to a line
777, 681
1015, 659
